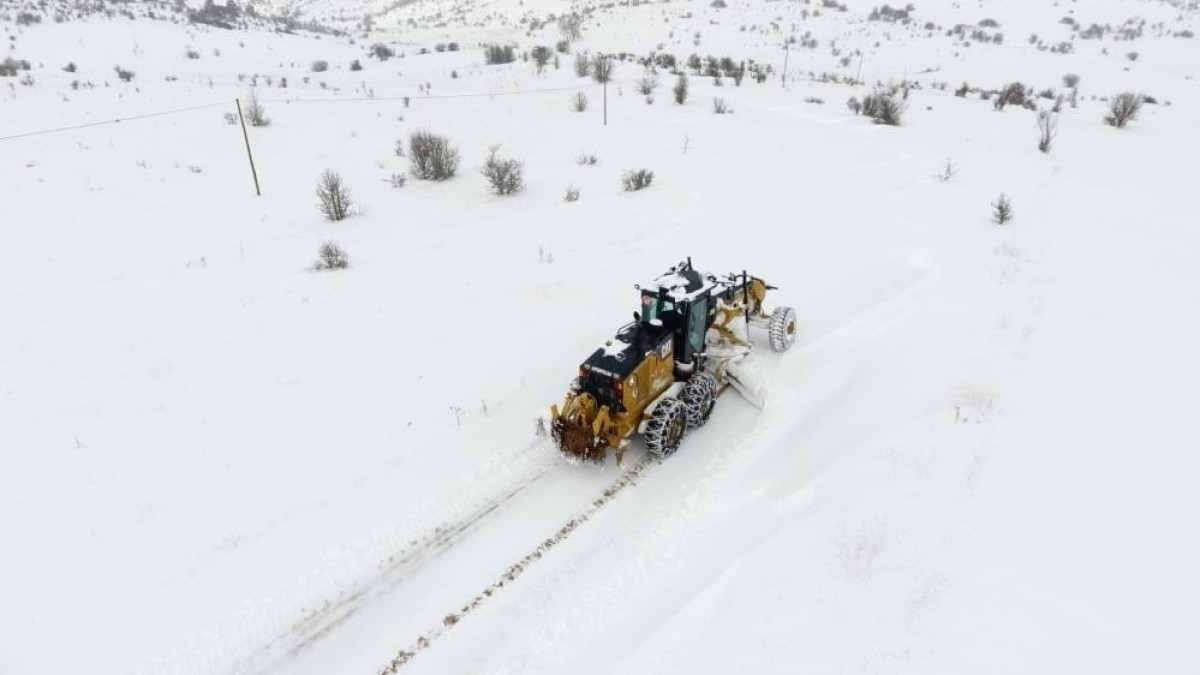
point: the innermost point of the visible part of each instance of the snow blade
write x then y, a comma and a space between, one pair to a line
748, 384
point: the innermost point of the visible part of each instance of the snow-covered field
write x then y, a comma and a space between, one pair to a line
979, 457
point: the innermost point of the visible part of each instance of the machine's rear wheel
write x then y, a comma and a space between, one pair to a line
698, 397
782, 328
666, 427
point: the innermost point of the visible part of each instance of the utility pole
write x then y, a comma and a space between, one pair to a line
246, 137
858, 77
786, 52
606, 100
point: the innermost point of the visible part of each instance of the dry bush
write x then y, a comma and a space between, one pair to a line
720, 106
256, 114
572, 194
1002, 210
333, 196
579, 102
122, 74
1012, 94
854, 105
320, 66
602, 68
888, 110
381, 51
498, 54
680, 90
636, 179
1123, 109
583, 65
1047, 124
586, 159
505, 176
541, 56
432, 157
646, 85
331, 257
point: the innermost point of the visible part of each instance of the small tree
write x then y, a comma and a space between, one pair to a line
579, 102
1002, 211
571, 27
333, 197
854, 105
1123, 109
680, 90
646, 85
505, 176
541, 56
636, 179
602, 68
432, 157
331, 257
1047, 124
256, 114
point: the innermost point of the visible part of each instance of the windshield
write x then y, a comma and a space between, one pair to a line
653, 308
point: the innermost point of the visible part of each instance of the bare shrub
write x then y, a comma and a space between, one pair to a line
541, 56
636, 179
947, 171
1123, 109
720, 106
505, 176
583, 65
125, 75
586, 159
1070, 81
192, 54
1002, 210
602, 68
646, 85
854, 105
572, 194
680, 90
333, 196
256, 114
397, 180
498, 54
888, 110
331, 257
355, 66
381, 51
432, 157
1012, 94
1047, 124
319, 66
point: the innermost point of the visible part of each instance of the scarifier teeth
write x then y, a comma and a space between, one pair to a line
577, 441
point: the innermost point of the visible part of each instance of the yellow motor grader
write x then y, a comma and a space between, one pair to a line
661, 375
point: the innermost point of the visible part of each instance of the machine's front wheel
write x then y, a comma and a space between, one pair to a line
782, 328
698, 396
666, 427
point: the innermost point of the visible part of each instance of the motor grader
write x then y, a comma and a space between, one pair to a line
660, 376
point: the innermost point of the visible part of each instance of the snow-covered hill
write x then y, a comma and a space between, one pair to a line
214, 459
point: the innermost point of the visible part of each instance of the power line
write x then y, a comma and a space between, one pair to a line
117, 120
364, 99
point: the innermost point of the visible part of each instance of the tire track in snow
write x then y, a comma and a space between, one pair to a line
423, 641
395, 569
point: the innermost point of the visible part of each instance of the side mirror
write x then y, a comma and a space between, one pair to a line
637, 318
637, 287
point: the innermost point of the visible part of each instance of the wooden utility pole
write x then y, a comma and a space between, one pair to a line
605, 100
246, 137
786, 52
